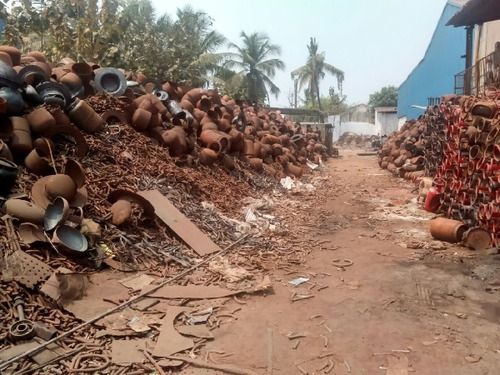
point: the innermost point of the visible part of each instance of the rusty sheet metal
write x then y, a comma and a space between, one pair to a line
180, 224
125, 352
25, 269
170, 341
44, 356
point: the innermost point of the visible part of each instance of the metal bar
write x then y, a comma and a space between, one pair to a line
5, 364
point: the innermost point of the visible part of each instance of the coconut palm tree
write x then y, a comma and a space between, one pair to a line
314, 71
194, 43
254, 61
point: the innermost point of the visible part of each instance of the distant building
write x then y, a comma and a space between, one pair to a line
357, 113
434, 74
481, 19
357, 119
386, 120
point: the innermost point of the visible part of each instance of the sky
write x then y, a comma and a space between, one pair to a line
375, 42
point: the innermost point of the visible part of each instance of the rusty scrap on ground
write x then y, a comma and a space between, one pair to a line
78, 143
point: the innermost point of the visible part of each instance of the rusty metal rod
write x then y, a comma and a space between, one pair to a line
5, 364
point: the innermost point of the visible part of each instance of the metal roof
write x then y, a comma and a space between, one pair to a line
476, 12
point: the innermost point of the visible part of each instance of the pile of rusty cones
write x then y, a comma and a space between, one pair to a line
40, 100
403, 152
453, 152
468, 180
55, 209
50, 114
199, 124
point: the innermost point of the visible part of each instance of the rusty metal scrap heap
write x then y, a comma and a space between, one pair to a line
83, 133
468, 179
403, 153
457, 146
66, 151
434, 138
201, 124
79, 142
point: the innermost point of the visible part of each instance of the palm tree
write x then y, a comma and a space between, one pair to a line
255, 63
314, 71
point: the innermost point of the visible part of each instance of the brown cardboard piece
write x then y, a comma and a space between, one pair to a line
180, 224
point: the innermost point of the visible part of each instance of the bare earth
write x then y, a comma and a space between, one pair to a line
406, 305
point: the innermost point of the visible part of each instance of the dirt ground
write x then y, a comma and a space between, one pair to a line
406, 305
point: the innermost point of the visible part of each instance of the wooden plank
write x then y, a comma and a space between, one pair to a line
180, 224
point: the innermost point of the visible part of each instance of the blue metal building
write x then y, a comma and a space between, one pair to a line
434, 75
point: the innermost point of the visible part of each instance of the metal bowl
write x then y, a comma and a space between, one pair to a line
56, 213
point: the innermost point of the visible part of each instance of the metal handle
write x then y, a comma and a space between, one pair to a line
19, 303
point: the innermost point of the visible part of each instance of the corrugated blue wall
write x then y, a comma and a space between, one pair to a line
434, 75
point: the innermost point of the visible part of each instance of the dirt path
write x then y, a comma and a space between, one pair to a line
429, 310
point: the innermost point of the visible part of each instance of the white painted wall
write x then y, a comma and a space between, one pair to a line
485, 38
386, 122
362, 128
401, 122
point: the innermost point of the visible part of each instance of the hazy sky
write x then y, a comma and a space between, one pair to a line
375, 42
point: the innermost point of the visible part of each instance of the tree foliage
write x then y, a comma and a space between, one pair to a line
333, 104
314, 71
122, 33
129, 34
386, 97
256, 63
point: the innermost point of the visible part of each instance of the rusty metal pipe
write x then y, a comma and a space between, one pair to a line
447, 230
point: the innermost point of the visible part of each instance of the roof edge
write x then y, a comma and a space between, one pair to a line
458, 3
449, 2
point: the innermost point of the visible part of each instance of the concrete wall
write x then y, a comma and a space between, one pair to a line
401, 122
362, 128
434, 75
485, 38
386, 122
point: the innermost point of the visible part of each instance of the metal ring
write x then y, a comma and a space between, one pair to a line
296, 137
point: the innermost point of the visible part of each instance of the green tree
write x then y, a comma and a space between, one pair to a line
60, 28
139, 44
333, 104
314, 71
386, 97
230, 83
255, 62
192, 44
121, 33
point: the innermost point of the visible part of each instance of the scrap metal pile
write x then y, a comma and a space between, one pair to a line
349, 139
456, 146
89, 159
468, 180
403, 153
